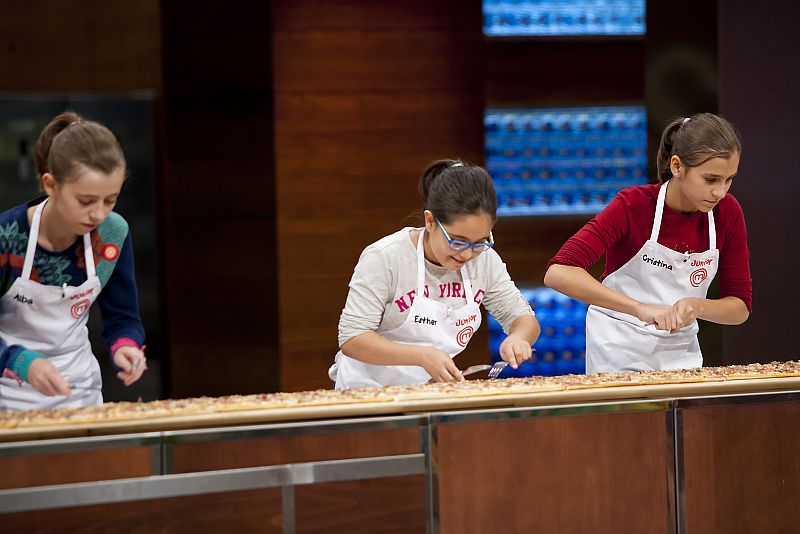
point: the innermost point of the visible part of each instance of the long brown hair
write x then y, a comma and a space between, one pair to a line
450, 188
70, 141
696, 140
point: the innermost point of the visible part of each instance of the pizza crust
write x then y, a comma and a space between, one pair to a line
133, 411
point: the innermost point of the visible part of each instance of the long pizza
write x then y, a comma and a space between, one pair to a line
131, 411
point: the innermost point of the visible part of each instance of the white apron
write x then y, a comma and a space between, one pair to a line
51, 320
429, 324
617, 342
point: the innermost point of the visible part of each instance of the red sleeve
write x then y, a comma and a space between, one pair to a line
734, 257
596, 237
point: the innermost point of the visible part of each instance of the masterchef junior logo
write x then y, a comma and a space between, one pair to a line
79, 308
463, 337
698, 276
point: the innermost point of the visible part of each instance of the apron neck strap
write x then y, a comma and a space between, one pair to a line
467, 285
33, 238
421, 270
662, 195
91, 272
712, 231
421, 263
27, 267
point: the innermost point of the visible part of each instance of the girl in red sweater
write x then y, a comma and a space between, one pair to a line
664, 243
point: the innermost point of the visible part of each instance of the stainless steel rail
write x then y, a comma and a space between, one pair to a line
144, 488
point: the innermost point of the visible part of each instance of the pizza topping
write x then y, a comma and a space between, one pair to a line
122, 411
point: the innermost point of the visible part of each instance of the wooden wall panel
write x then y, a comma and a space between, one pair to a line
233, 454
241, 511
594, 474
366, 95
759, 81
390, 505
214, 367
85, 45
379, 16
528, 243
564, 72
218, 198
360, 60
742, 469
72, 467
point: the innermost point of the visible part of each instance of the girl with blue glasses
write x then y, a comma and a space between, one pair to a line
415, 295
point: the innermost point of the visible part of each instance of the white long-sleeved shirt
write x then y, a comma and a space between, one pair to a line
384, 283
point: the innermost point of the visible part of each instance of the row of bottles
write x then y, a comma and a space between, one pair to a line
560, 161
563, 17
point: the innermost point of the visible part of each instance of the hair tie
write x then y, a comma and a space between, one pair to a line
685, 120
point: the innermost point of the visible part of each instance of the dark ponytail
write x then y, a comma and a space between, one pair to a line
696, 140
70, 141
450, 188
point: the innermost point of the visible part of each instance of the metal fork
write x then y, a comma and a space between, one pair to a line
496, 369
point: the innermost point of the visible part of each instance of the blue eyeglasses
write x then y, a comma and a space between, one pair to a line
460, 246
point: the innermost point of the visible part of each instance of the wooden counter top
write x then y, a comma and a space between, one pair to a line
362, 409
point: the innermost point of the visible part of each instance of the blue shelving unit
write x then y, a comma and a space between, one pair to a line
557, 161
561, 347
513, 18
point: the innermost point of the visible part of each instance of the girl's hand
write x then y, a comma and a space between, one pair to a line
133, 363
663, 317
440, 366
515, 350
688, 310
45, 378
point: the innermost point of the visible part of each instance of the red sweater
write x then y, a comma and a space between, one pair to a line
625, 224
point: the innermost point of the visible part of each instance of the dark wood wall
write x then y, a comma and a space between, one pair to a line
218, 197
81, 45
759, 79
366, 95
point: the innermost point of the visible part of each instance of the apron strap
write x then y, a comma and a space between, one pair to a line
30, 252
662, 195
91, 272
467, 285
421, 263
712, 231
27, 267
